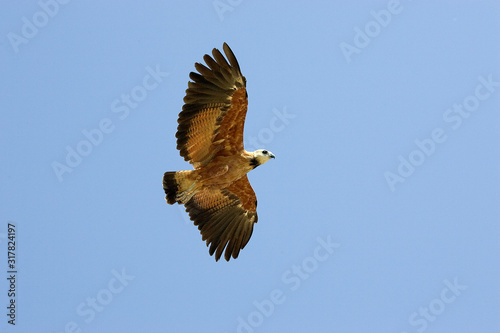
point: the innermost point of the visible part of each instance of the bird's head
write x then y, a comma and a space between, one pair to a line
260, 157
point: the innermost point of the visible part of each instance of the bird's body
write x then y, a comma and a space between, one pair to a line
217, 193
218, 174
224, 170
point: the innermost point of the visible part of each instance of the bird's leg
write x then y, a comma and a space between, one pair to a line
186, 195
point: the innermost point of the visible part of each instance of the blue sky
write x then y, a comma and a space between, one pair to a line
379, 214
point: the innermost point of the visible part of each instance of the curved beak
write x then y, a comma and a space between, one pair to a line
272, 155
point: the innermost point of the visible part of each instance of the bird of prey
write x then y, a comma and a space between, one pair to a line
216, 194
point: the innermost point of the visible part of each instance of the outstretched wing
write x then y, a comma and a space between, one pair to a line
225, 217
213, 116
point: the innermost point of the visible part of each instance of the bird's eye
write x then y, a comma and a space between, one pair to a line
264, 152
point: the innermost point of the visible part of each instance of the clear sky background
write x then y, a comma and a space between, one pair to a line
380, 213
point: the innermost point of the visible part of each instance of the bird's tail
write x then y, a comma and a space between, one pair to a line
179, 186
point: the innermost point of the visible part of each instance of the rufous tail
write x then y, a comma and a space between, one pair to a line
179, 186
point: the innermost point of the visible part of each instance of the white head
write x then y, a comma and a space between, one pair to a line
261, 156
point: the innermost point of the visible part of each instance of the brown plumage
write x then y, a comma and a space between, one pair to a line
217, 194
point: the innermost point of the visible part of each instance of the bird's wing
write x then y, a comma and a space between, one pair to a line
213, 116
225, 217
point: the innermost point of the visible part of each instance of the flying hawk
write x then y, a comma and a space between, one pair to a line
217, 194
